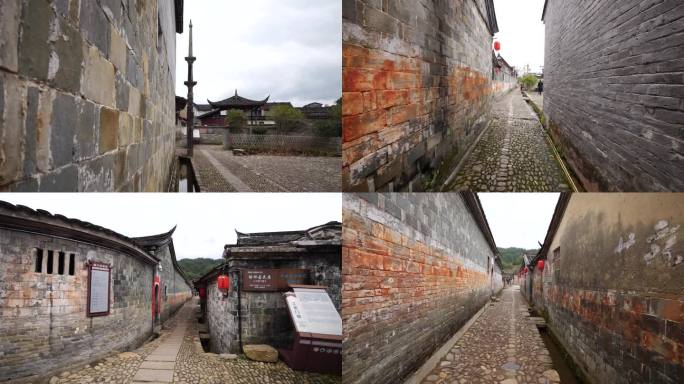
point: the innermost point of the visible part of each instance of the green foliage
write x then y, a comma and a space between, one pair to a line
287, 118
259, 130
195, 268
236, 119
511, 258
333, 126
529, 81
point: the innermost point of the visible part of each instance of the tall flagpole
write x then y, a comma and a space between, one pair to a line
191, 106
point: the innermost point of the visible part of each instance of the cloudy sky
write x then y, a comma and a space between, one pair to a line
290, 49
519, 219
206, 222
521, 32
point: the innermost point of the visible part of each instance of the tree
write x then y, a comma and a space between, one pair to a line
333, 126
235, 119
287, 118
529, 80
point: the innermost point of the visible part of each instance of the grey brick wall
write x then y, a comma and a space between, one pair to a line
614, 91
43, 323
175, 291
415, 269
86, 95
416, 88
265, 317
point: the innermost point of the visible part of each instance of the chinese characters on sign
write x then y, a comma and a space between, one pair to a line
98, 289
272, 280
312, 311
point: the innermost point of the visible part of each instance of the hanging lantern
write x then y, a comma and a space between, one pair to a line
497, 46
223, 283
540, 265
202, 292
525, 270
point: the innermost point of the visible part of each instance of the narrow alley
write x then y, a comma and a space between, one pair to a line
513, 154
502, 346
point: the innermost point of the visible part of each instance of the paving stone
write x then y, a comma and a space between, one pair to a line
155, 375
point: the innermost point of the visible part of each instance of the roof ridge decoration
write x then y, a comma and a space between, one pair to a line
237, 101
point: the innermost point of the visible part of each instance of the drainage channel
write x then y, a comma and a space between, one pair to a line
558, 356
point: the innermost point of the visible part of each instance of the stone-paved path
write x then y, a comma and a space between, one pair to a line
513, 155
220, 171
502, 346
191, 365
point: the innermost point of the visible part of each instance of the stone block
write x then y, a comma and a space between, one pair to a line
9, 33
109, 129
43, 130
31, 135
118, 51
62, 7
133, 71
34, 51
122, 92
134, 102
260, 352
69, 53
65, 109
87, 131
63, 180
97, 175
11, 128
94, 25
98, 79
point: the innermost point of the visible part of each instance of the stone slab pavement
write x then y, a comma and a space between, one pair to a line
502, 346
219, 170
513, 155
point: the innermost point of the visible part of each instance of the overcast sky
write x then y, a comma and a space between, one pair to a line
290, 49
206, 222
519, 219
521, 32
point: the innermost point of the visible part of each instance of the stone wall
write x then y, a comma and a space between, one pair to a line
613, 91
43, 322
265, 317
613, 286
416, 88
175, 290
316, 144
414, 270
87, 94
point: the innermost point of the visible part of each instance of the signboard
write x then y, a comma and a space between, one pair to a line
273, 280
98, 289
313, 311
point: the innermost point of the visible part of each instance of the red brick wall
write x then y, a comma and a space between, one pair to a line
405, 293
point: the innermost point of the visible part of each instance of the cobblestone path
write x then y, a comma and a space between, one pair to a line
190, 364
502, 346
513, 155
220, 171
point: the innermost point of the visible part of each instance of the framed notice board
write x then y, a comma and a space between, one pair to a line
273, 280
99, 280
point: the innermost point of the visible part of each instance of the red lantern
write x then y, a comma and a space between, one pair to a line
497, 46
223, 283
525, 270
202, 292
540, 265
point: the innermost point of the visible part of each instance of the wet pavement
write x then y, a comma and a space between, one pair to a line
513, 155
219, 170
502, 346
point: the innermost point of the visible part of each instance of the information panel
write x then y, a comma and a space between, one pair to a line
313, 311
98, 289
273, 280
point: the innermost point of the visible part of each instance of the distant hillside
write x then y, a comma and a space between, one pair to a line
511, 258
194, 268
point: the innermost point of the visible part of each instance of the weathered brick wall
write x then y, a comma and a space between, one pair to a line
265, 317
175, 291
86, 94
416, 87
614, 295
614, 91
43, 323
414, 270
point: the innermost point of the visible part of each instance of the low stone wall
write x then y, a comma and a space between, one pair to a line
409, 284
330, 145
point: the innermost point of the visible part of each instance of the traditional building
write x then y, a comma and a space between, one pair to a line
214, 114
416, 268
72, 292
316, 111
609, 279
504, 77
87, 94
260, 268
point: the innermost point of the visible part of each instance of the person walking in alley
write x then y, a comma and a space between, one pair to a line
540, 87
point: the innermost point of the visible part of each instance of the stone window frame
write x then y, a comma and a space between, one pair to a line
44, 261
